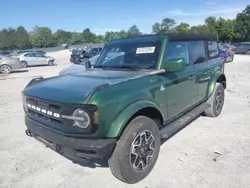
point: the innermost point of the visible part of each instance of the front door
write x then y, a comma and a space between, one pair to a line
180, 87
181, 91
40, 59
30, 59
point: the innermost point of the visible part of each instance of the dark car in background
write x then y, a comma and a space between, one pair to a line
95, 51
79, 55
4, 53
228, 47
226, 54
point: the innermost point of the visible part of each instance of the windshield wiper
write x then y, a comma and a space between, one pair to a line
117, 67
124, 67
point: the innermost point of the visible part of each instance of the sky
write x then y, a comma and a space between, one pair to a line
106, 15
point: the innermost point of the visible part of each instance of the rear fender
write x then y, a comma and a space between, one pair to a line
213, 81
122, 119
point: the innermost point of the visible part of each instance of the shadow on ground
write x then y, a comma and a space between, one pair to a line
93, 163
166, 139
20, 71
9, 76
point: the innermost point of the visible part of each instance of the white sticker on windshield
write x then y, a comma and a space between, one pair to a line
145, 50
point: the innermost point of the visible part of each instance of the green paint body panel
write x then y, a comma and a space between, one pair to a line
127, 92
127, 97
121, 120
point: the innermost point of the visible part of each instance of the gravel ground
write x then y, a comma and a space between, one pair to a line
207, 153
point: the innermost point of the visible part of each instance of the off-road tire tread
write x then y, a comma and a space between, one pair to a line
118, 152
209, 112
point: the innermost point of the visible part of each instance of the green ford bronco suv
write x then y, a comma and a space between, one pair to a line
121, 109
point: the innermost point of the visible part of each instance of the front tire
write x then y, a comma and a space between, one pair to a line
24, 64
216, 101
51, 63
136, 151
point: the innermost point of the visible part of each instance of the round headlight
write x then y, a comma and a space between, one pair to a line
81, 118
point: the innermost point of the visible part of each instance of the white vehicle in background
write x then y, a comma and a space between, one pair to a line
7, 64
34, 59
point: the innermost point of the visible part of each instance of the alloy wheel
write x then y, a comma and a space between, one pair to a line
219, 100
6, 69
23, 64
142, 150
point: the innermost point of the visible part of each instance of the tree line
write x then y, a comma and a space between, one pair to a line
227, 30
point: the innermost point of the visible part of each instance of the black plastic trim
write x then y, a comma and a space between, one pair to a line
72, 147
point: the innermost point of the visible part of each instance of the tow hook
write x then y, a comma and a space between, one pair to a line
28, 133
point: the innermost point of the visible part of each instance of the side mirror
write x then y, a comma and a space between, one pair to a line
175, 65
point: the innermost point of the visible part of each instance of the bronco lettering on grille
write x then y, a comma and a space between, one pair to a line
44, 111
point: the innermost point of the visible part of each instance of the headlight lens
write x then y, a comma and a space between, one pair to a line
81, 118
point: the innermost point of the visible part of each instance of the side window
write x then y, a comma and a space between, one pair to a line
115, 60
39, 55
213, 51
177, 50
29, 55
113, 52
197, 52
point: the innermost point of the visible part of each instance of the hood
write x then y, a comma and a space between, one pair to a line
75, 88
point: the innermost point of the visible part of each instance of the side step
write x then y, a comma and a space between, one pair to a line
175, 126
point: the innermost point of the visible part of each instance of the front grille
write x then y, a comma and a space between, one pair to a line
43, 111
49, 113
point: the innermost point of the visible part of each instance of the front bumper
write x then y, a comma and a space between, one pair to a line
71, 147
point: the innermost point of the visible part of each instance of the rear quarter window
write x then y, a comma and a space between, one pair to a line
213, 51
197, 53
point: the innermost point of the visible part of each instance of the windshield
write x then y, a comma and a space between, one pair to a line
138, 55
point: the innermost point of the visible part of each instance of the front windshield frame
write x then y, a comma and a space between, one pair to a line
135, 43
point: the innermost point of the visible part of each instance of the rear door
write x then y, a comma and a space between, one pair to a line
198, 58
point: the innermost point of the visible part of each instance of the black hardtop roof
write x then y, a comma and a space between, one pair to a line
173, 37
